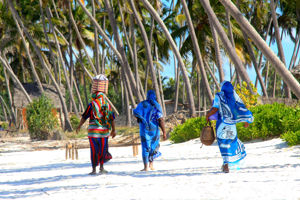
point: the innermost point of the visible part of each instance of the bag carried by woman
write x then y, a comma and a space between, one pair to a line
207, 136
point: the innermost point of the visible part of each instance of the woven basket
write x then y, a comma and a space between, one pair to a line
100, 86
207, 136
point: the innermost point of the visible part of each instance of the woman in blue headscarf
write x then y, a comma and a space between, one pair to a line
150, 117
230, 110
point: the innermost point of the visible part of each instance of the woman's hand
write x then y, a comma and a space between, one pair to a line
207, 118
246, 124
113, 133
164, 136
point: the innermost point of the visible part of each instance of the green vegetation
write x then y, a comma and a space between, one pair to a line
74, 121
292, 138
270, 120
40, 118
4, 125
189, 130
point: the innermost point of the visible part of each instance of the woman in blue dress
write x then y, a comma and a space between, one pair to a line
150, 117
230, 110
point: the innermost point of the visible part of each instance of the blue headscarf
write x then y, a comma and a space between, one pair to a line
151, 98
232, 110
149, 111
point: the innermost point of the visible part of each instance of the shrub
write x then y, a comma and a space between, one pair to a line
40, 118
4, 125
74, 121
292, 138
189, 130
270, 120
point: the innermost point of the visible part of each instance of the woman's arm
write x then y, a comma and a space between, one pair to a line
113, 130
162, 126
80, 124
211, 112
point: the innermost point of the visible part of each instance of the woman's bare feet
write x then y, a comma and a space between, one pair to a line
225, 168
151, 166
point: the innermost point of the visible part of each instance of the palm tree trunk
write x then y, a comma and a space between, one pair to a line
134, 52
12, 115
148, 52
77, 58
230, 49
85, 91
267, 75
55, 9
96, 42
147, 67
83, 46
48, 41
278, 42
212, 75
198, 92
101, 32
274, 85
4, 112
197, 50
160, 83
261, 44
63, 66
128, 113
15, 78
252, 56
68, 125
35, 75
175, 50
120, 47
261, 55
294, 56
217, 52
5, 108
177, 79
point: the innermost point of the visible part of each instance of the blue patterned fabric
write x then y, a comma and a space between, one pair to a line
148, 112
231, 110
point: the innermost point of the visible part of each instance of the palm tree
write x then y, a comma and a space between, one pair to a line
148, 52
197, 50
261, 44
16, 17
228, 45
175, 50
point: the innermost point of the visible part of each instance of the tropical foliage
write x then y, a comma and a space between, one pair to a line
40, 118
65, 43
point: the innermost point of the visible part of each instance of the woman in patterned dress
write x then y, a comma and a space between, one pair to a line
101, 121
150, 118
231, 110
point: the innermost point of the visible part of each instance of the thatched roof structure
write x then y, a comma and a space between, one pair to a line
296, 71
20, 101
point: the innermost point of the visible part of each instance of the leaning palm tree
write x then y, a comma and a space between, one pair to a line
226, 42
288, 78
197, 50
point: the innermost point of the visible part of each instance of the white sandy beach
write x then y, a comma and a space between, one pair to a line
184, 171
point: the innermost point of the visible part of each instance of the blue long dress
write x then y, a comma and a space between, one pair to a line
231, 110
148, 112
